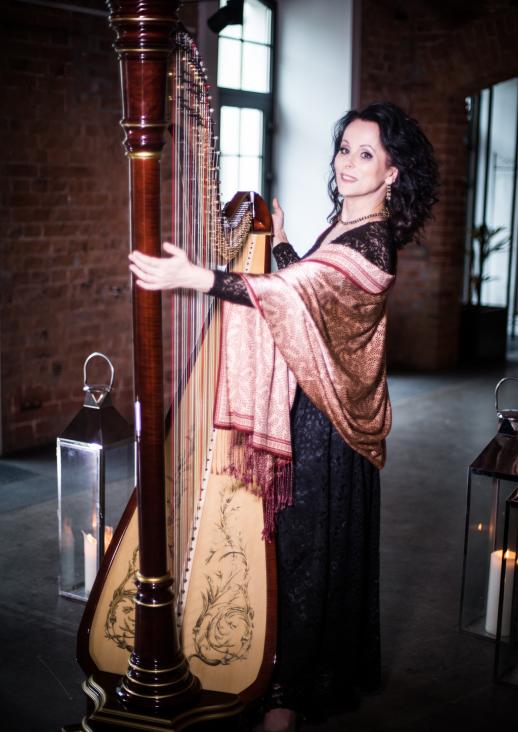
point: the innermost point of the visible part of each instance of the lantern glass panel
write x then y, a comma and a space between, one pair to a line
506, 657
94, 484
78, 485
483, 553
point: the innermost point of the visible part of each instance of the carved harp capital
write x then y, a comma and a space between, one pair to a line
144, 43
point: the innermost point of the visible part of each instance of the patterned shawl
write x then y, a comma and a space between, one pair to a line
321, 323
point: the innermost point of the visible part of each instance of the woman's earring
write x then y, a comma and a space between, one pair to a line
389, 192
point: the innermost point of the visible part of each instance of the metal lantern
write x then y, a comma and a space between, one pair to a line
95, 462
488, 564
506, 654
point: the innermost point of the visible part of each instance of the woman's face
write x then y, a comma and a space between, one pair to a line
362, 167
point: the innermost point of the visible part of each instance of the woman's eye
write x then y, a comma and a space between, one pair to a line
344, 150
366, 155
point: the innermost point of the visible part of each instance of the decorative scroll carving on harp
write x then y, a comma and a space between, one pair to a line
223, 571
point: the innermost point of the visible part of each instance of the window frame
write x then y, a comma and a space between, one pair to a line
263, 101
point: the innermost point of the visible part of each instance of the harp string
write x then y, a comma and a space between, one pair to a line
204, 234
211, 238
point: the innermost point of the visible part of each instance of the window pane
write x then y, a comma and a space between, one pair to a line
250, 174
231, 31
500, 187
229, 176
229, 131
256, 22
251, 137
484, 131
256, 68
229, 63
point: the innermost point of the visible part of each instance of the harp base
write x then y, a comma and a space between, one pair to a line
213, 711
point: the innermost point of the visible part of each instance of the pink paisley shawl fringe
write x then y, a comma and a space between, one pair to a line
264, 474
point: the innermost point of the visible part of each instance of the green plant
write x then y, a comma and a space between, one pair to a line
484, 237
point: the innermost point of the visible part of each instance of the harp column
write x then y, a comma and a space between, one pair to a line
158, 676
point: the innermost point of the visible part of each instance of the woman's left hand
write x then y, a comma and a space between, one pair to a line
169, 273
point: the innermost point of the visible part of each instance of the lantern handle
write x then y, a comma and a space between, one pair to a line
86, 385
497, 388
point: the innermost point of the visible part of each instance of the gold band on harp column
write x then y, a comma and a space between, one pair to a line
144, 155
154, 580
156, 670
154, 604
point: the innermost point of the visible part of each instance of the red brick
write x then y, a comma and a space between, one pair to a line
66, 216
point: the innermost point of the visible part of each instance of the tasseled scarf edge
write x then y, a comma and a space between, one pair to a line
263, 473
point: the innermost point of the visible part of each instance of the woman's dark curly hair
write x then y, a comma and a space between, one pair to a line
414, 190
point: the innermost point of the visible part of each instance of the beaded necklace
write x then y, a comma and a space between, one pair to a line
383, 213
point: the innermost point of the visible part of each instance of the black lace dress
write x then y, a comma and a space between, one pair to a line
327, 542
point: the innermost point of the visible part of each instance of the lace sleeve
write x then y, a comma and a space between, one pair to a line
373, 242
284, 255
229, 286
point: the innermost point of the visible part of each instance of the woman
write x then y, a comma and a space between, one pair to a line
325, 316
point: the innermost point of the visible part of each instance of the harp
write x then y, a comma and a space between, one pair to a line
144, 656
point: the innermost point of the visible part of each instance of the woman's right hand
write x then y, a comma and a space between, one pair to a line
169, 273
279, 235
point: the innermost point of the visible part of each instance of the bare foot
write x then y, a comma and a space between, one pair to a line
279, 720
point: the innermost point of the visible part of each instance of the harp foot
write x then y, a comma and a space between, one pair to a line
212, 711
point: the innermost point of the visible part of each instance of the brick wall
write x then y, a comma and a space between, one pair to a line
63, 192
64, 236
427, 57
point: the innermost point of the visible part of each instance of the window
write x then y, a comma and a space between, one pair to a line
245, 63
493, 195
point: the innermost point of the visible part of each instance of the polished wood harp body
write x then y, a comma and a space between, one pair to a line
187, 588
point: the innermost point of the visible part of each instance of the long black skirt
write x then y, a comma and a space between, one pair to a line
328, 573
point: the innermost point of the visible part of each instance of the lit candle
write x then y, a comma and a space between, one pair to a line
67, 556
90, 549
493, 591
108, 536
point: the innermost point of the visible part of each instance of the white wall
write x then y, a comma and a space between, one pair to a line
314, 89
